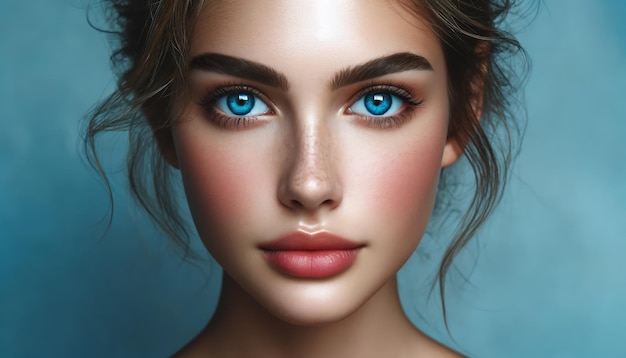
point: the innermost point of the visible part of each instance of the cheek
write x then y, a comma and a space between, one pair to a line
396, 198
404, 187
222, 187
213, 187
412, 181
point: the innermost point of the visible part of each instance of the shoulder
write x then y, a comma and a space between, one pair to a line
194, 349
425, 346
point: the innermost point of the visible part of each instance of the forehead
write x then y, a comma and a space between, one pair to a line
304, 32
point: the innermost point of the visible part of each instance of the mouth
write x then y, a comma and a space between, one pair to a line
304, 255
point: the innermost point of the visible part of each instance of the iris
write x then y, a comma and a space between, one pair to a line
240, 103
377, 103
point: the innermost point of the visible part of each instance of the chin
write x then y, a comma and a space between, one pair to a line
312, 315
307, 303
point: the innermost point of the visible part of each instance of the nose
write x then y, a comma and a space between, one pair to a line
311, 181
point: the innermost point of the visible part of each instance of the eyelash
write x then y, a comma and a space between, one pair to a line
409, 105
208, 103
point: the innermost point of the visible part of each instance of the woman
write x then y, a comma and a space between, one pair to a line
311, 137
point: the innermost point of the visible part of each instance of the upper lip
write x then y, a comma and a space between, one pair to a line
299, 240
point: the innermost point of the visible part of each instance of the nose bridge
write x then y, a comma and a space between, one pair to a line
313, 159
311, 179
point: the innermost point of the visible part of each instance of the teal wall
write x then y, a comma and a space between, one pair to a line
546, 276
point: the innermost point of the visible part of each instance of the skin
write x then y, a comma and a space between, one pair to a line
311, 163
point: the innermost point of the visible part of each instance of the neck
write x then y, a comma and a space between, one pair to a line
241, 327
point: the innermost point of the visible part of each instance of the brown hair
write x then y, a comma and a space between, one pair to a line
483, 61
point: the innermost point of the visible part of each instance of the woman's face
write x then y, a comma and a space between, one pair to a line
311, 146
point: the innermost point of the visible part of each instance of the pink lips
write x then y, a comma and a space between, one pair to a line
318, 255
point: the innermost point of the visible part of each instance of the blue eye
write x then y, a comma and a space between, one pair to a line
377, 104
241, 103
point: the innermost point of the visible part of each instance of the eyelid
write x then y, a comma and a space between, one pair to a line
400, 91
404, 93
225, 120
210, 97
409, 106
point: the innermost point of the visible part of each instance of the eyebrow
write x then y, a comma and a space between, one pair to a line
398, 62
239, 67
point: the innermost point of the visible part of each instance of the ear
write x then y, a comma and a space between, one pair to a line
451, 152
457, 141
165, 141
161, 131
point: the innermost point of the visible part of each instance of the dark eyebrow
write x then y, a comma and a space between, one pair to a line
398, 62
239, 67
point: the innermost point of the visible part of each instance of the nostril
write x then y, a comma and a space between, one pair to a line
310, 183
296, 204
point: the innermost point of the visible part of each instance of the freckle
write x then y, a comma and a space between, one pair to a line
317, 163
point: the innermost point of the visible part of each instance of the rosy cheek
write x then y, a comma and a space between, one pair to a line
219, 186
406, 186
417, 178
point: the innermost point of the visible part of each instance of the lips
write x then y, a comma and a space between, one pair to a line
304, 255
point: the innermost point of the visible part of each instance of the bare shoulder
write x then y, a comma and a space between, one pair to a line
194, 349
428, 347
186, 352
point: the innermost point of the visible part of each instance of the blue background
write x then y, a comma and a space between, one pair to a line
547, 277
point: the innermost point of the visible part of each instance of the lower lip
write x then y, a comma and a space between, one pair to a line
312, 263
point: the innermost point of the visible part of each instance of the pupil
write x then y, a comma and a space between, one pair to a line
240, 103
378, 103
